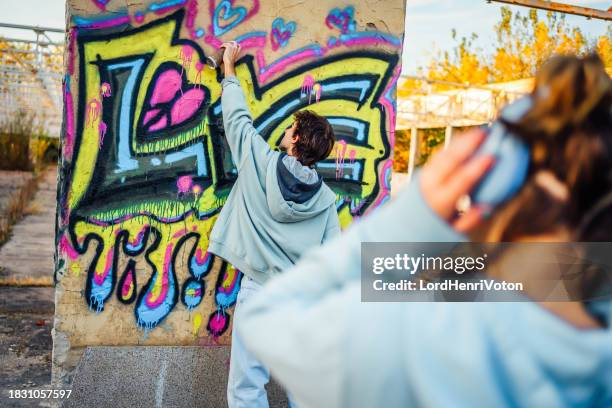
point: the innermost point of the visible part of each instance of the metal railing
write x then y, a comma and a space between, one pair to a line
31, 74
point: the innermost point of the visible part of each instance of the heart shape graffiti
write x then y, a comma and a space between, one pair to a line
232, 16
281, 33
171, 100
341, 19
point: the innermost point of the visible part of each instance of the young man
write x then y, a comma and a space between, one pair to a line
278, 208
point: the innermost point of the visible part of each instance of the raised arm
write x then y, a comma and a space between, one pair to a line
242, 137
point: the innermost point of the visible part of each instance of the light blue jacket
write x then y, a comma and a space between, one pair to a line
331, 350
277, 208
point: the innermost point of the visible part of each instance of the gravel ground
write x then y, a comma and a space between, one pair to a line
26, 313
26, 319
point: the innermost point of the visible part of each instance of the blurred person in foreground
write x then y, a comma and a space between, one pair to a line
331, 350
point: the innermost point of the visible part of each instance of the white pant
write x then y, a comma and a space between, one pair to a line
247, 376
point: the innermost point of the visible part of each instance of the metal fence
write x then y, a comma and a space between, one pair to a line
31, 79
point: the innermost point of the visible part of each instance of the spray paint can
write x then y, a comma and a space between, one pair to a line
215, 60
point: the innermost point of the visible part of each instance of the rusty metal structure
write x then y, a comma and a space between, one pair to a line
31, 78
561, 8
465, 105
461, 106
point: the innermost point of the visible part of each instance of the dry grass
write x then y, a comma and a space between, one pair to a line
16, 207
41, 281
15, 152
16, 130
33, 208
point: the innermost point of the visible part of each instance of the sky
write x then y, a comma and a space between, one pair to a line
428, 23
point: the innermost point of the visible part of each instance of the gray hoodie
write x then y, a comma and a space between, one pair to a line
277, 208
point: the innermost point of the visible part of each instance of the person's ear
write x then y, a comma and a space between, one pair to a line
295, 137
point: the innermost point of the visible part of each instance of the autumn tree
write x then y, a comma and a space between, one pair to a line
604, 47
522, 43
463, 64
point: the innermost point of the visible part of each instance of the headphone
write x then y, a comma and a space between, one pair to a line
509, 172
512, 155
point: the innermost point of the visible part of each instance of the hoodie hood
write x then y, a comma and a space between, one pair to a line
295, 192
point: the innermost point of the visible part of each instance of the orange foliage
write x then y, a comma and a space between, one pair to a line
522, 43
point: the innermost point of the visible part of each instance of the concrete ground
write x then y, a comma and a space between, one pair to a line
27, 257
26, 294
105, 376
13, 186
26, 320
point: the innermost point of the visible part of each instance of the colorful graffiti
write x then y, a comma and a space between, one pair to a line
146, 168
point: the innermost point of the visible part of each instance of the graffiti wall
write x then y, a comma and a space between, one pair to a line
145, 168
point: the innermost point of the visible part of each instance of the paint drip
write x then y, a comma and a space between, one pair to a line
307, 86
198, 78
197, 322
317, 91
340, 153
102, 132
186, 56
217, 323
184, 183
105, 90
93, 111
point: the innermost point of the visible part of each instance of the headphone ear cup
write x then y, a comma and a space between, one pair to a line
512, 158
509, 171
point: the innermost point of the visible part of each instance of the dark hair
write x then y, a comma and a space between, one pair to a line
569, 130
316, 137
